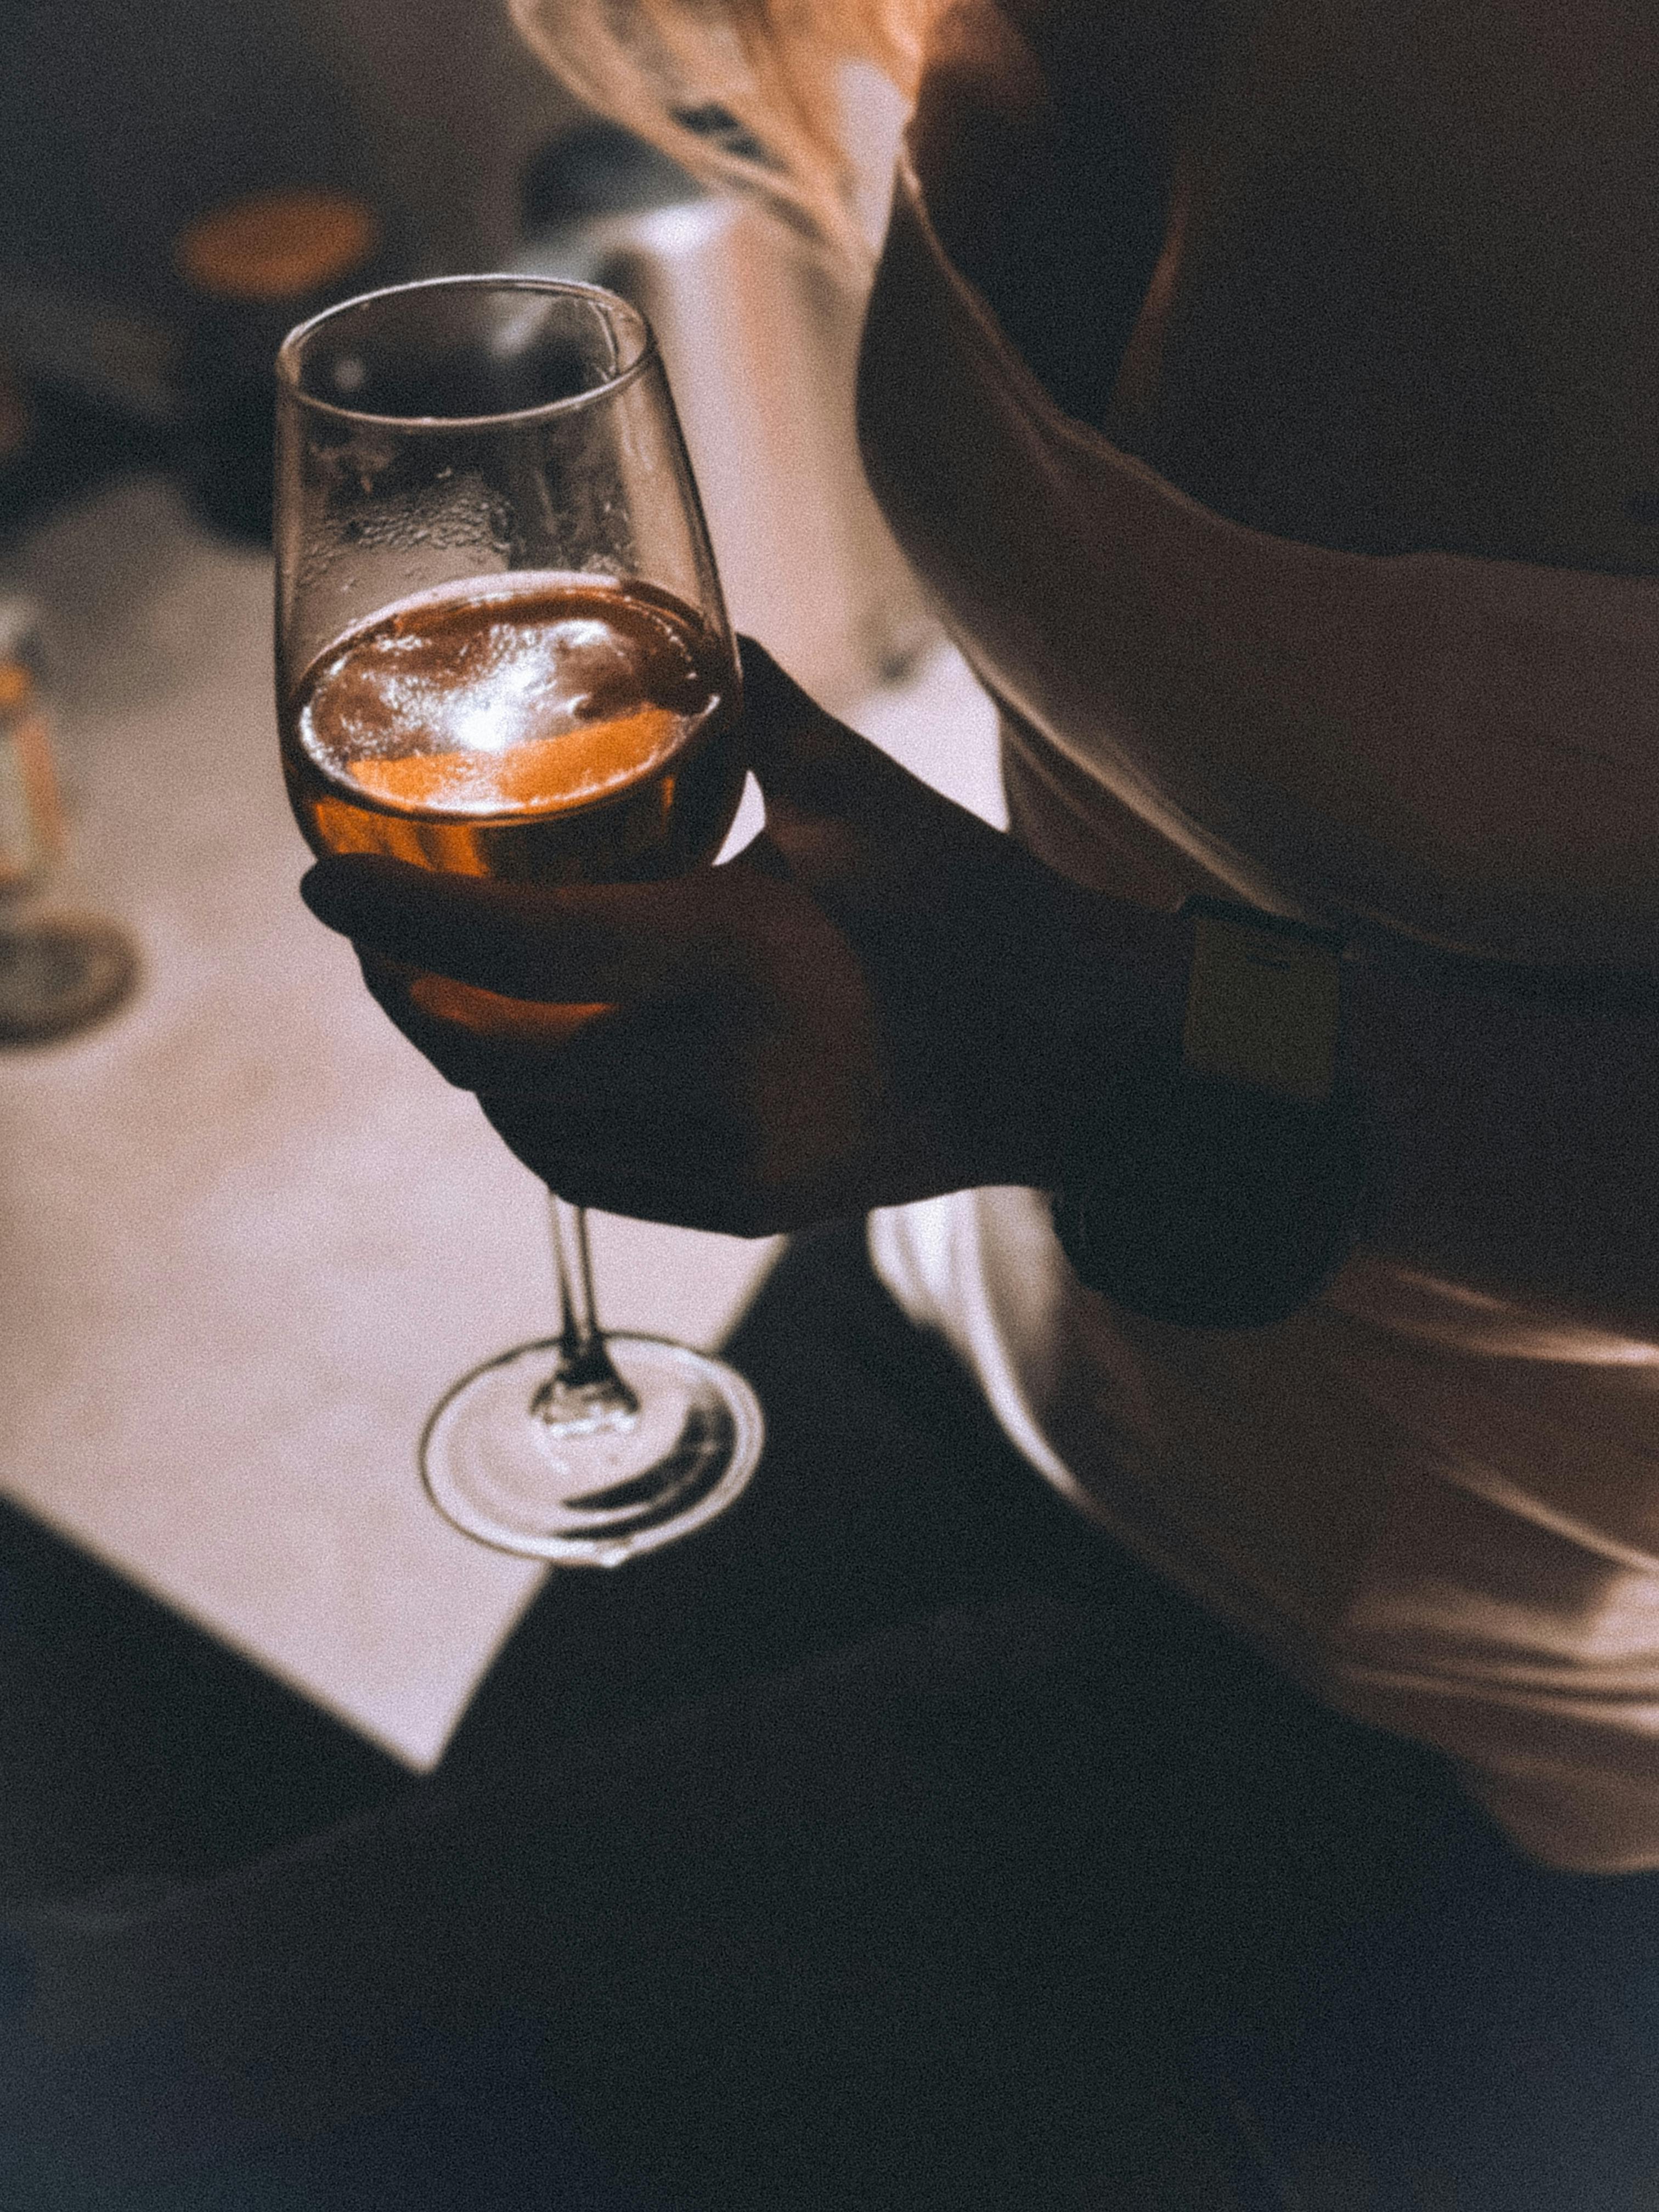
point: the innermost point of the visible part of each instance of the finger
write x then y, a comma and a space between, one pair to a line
713, 1210
653, 1165
781, 721
814, 771
583, 944
523, 1047
595, 1070
515, 1055
493, 1019
799, 754
591, 1180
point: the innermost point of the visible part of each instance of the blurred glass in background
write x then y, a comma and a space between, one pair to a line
57, 972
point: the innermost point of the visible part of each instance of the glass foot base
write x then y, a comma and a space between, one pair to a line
591, 1495
60, 973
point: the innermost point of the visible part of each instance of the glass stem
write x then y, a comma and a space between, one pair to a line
585, 1391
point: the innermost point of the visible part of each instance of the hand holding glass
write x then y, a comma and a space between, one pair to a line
501, 651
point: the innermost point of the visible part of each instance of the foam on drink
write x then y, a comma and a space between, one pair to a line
447, 727
471, 708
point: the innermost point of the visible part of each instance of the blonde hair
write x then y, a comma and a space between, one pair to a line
742, 92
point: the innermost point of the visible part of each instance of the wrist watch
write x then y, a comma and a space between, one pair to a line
1223, 1187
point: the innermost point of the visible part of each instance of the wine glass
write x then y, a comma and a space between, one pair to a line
58, 972
501, 651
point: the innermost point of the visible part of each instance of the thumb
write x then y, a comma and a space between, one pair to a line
780, 720
808, 766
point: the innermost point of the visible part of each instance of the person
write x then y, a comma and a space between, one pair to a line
1281, 465
1107, 1759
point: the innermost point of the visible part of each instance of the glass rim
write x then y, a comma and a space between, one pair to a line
288, 353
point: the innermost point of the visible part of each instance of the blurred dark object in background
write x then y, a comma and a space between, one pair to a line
250, 270
16, 417
90, 389
122, 126
86, 390
119, 124
598, 168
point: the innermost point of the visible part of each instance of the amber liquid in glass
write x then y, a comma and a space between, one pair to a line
539, 727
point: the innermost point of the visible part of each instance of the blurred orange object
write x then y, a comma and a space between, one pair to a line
276, 246
31, 815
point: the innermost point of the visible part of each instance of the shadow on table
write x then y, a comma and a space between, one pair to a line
135, 1752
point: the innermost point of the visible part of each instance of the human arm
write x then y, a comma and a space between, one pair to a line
884, 999
1521, 1142
865, 1006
